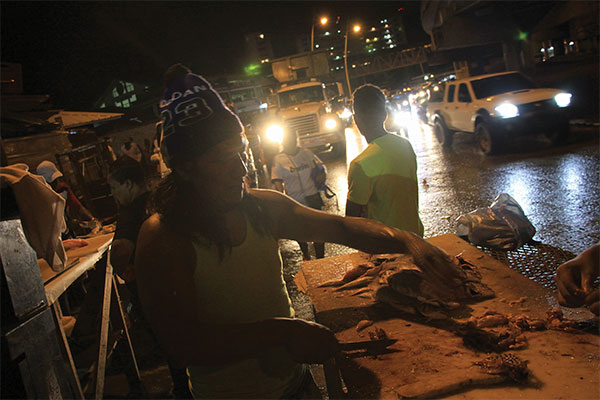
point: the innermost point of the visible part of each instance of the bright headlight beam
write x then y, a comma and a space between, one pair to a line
275, 133
507, 110
330, 124
346, 113
563, 99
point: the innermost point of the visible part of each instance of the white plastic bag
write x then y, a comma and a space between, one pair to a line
502, 226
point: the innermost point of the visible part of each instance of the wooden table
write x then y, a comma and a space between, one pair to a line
80, 260
431, 361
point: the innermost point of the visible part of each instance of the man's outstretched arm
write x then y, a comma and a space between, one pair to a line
291, 220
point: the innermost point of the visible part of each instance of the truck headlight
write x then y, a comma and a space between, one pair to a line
274, 133
330, 124
507, 110
563, 99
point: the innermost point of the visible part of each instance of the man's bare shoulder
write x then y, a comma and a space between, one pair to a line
153, 227
158, 239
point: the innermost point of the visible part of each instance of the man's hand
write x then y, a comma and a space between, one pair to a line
575, 280
433, 260
309, 342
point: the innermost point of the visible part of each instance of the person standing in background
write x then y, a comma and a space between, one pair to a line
291, 174
382, 180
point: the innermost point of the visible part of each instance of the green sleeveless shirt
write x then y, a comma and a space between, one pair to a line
246, 286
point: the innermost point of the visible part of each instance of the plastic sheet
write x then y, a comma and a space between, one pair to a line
502, 226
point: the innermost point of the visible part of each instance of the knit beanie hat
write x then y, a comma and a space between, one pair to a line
194, 117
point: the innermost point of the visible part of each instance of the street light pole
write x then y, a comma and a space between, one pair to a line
323, 21
356, 28
346, 62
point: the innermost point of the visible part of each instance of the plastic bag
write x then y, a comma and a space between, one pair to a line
501, 226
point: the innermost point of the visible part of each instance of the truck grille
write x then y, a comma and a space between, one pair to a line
537, 106
304, 125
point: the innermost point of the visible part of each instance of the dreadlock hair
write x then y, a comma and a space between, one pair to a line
181, 210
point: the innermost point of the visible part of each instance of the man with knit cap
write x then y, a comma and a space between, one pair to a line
208, 266
382, 180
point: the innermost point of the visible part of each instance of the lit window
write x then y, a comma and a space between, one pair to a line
130, 87
103, 105
126, 103
372, 29
316, 46
353, 65
326, 33
118, 104
337, 58
386, 26
115, 92
262, 36
375, 39
368, 40
133, 98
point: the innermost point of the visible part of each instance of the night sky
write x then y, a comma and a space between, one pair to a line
72, 50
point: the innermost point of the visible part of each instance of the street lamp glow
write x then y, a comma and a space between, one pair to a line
323, 21
356, 28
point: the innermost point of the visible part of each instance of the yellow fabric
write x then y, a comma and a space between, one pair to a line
384, 178
246, 286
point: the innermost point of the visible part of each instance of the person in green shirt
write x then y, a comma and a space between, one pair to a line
382, 180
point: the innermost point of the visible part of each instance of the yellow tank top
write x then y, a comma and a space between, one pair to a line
246, 286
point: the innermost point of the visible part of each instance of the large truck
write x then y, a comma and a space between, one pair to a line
303, 104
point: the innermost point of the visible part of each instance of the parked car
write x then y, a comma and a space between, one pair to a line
496, 108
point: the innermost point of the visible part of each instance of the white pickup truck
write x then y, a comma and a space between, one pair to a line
497, 107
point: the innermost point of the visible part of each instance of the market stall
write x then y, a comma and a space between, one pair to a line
431, 358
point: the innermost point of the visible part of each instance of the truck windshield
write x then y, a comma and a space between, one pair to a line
299, 96
499, 84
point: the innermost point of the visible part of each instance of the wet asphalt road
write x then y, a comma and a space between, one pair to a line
558, 188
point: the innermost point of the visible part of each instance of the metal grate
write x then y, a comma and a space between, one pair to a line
304, 125
536, 261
